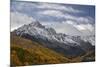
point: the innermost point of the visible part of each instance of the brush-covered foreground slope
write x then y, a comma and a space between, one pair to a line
27, 52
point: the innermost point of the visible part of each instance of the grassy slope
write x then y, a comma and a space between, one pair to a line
26, 52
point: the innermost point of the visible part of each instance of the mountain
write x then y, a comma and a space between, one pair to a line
90, 39
27, 52
70, 46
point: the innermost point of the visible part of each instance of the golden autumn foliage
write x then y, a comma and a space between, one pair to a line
27, 52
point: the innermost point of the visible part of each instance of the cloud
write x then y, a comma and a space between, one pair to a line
17, 6
52, 13
65, 28
58, 7
53, 6
67, 17
70, 28
19, 19
86, 19
83, 27
63, 18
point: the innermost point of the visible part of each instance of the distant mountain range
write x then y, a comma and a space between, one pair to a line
66, 45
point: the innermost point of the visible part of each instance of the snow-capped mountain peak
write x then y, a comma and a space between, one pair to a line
36, 24
39, 31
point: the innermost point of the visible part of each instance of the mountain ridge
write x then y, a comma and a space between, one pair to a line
59, 42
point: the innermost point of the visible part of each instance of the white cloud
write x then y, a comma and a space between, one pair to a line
79, 19
19, 6
73, 29
71, 25
65, 28
69, 22
22, 5
86, 19
52, 13
19, 19
50, 6
68, 27
58, 7
69, 18
83, 27
54, 10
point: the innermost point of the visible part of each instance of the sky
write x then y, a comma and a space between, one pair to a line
64, 18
